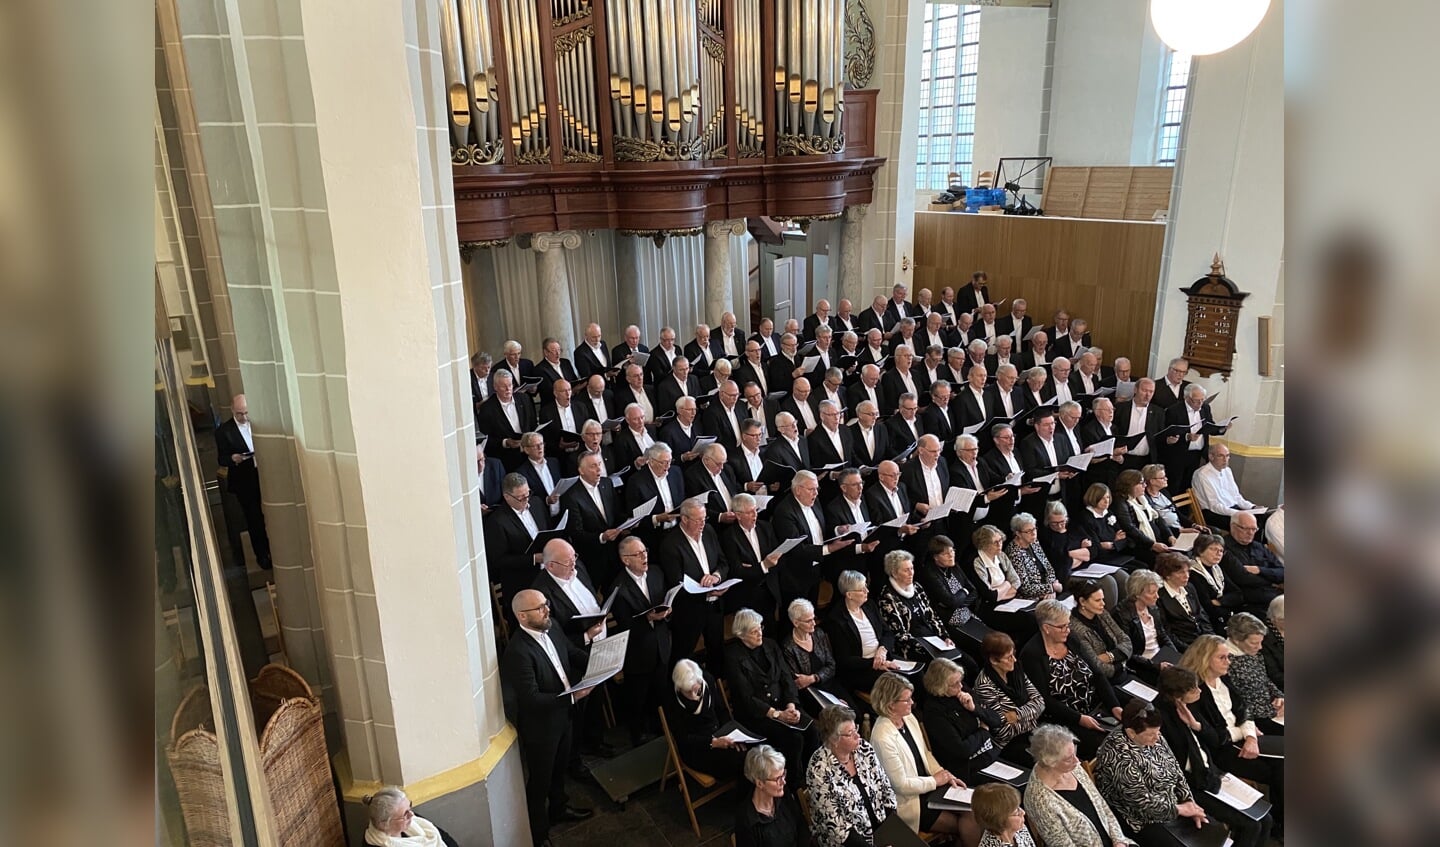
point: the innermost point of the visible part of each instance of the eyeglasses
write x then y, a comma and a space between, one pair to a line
525, 496
562, 563
779, 777
545, 606
639, 554
1065, 625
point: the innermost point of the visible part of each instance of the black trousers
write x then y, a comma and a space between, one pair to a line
545, 753
693, 618
1246, 831
249, 502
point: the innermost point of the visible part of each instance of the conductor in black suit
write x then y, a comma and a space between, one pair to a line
235, 444
539, 664
638, 590
693, 549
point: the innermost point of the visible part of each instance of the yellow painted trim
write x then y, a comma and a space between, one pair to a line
1253, 451
439, 785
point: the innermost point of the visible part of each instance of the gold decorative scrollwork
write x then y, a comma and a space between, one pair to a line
489, 153
535, 157
573, 155
859, 45
572, 39
714, 47
751, 152
629, 149
809, 145
659, 235
468, 248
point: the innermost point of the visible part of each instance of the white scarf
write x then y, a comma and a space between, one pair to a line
908, 592
420, 832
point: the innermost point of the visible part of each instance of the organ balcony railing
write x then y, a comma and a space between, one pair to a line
652, 116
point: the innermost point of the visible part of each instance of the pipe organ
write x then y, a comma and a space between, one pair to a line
656, 108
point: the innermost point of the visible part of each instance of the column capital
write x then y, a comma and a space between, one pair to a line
856, 213
723, 229
542, 242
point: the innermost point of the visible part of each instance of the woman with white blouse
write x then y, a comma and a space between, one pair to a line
863, 644
914, 772
1154, 651
998, 582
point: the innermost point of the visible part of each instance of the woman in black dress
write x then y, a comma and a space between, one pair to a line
771, 817
959, 728
1076, 693
695, 711
811, 660
951, 594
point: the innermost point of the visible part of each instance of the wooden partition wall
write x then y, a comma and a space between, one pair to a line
1106, 272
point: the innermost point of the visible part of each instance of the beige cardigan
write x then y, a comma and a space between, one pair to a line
895, 756
1059, 824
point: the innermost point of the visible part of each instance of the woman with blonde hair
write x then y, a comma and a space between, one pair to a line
393, 823
914, 772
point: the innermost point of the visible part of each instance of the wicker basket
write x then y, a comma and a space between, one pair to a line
292, 755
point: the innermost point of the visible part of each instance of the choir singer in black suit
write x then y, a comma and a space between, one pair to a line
594, 509
509, 529
639, 590
539, 664
504, 418
693, 549
235, 445
749, 548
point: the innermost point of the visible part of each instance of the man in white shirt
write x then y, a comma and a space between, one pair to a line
986, 325
693, 550
541, 473
1215, 489
235, 445
843, 320
769, 344
755, 409
1005, 352
1060, 380
731, 343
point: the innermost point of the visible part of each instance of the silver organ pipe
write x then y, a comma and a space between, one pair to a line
809, 91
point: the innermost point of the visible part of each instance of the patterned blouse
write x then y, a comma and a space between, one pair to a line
1143, 785
1251, 683
1102, 634
1023, 838
835, 801
993, 696
1071, 683
1059, 824
1036, 576
910, 619
955, 584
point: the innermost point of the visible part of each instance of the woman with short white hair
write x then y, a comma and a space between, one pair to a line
695, 711
811, 660
763, 693
771, 818
1063, 806
906, 609
393, 823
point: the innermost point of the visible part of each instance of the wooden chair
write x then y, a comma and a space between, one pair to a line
502, 626
683, 773
279, 630
1187, 501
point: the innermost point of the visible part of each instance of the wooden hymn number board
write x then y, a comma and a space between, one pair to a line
1214, 318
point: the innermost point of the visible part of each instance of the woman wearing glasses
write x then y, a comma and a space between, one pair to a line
1076, 692
771, 818
394, 824
850, 795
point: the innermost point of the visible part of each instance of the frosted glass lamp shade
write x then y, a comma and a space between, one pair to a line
1202, 27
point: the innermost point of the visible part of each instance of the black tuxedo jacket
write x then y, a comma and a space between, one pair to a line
585, 407
1064, 345
867, 356
717, 422
562, 610
640, 486
828, 359
970, 411
822, 449
942, 424
625, 395
945, 338
649, 647
1180, 414
1093, 432
895, 312
505, 544
740, 468
858, 393
717, 343
538, 490
549, 373
1164, 397
242, 478
587, 364
765, 351
626, 449
858, 452
1005, 325
677, 559
779, 450
667, 392
1154, 422
995, 408
660, 362
791, 405
479, 389
912, 479
901, 436
1077, 385
760, 588
897, 339
550, 413
530, 687
842, 325
492, 422
699, 365
620, 351
961, 477
1032, 455
526, 368
799, 569
778, 370
1028, 360
892, 387
679, 442
746, 372
608, 463
968, 298
878, 501
812, 323
868, 320
585, 524
699, 481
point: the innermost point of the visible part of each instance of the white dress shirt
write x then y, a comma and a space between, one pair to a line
512, 415
1138, 416
1194, 417
933, 492
1217, 492
527, 520
584, 602
549, 646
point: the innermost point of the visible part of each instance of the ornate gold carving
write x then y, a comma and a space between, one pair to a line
629, 149
714, 47
573, 155
468, 248
859, 45
489, 153
572, 39
809, 145
659, 235
582, 12
535, 157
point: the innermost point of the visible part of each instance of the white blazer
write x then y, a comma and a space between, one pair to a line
899, 763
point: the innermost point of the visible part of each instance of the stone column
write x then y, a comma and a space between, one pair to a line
852, 248
557, 316
718, 289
